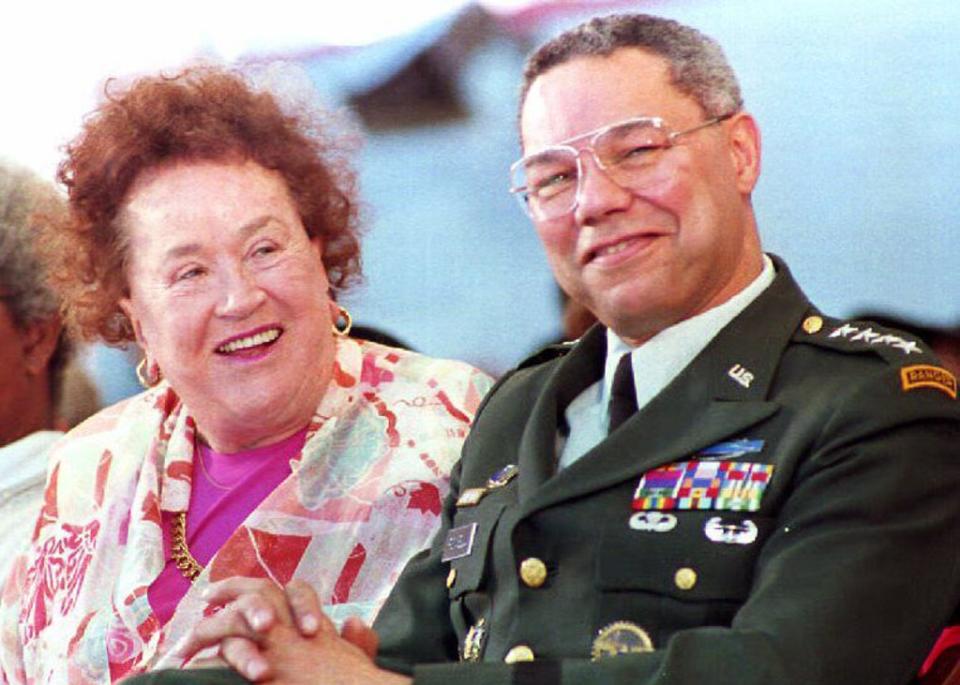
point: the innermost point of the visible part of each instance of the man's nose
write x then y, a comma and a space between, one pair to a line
241, 294
597, 193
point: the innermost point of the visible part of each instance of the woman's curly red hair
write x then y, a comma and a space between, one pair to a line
201, 114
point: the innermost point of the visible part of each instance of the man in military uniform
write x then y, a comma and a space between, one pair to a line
719, 484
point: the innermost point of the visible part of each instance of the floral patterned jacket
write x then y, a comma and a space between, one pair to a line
364, 495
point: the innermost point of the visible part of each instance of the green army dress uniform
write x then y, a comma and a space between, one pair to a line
837, 562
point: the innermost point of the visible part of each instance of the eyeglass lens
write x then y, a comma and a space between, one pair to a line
627, 153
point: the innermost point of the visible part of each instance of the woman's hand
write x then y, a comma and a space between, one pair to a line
269, 634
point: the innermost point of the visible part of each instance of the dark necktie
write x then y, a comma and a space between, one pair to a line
623, 394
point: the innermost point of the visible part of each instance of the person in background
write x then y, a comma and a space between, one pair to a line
80, 397
215, 228
34, 352
718, 484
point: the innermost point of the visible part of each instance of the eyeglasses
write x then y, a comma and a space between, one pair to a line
547, 182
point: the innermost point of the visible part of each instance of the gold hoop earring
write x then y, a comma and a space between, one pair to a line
344, 316
147, 377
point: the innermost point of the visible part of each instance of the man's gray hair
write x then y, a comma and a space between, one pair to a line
23, 285
698, 67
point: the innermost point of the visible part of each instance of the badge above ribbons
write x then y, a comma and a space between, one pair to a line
703, 485
731, 449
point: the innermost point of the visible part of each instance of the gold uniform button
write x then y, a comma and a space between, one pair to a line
533, 572
812, 324
685, 578
451, 578
518, 654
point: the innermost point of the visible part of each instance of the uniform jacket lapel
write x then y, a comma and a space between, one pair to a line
705, 404
576, 371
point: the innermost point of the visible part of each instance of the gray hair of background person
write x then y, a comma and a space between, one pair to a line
25, 200
698, 66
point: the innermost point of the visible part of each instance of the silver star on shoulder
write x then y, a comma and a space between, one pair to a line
867, 334
908, 346
870, 336
844, 330
889, 339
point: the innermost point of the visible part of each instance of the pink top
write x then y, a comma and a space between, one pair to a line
227, 489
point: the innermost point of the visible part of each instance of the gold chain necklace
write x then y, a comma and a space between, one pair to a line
179, 552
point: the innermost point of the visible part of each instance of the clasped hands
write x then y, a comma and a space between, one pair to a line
281, 635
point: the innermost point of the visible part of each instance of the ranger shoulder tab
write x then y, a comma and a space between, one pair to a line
857, 336
548, 353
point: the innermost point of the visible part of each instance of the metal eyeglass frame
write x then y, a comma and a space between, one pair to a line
519, 191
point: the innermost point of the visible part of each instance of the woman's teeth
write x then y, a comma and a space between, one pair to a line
261, 338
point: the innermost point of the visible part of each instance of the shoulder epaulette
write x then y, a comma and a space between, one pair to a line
918, 365
548, 353
895, 346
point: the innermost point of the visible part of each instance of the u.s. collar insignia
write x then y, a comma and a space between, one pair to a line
503, 476
471, 497
620, 637
653, 521
741, 375
473, 642
730, 531
926, 376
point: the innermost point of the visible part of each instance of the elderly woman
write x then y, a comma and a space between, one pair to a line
214, 228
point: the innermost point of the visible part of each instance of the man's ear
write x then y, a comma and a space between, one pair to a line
745, 149
39, 343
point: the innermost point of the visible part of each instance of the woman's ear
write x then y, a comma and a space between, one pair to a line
129, 310
317, 245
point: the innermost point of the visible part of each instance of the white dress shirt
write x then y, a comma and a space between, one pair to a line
655, 363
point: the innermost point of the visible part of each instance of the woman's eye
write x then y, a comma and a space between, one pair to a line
263, 250
189, 274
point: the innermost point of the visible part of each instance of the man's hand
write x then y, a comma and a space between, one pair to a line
269, 634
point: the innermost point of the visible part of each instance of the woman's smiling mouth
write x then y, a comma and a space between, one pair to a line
250, 341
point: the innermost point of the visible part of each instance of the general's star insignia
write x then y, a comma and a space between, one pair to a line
866, 334
908, 346
872, 337
844, 330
